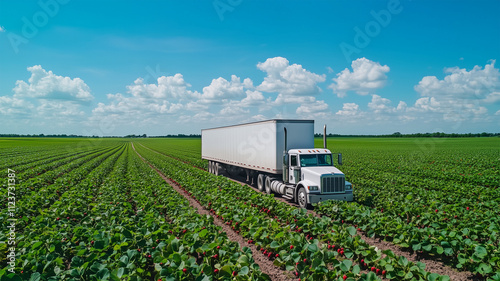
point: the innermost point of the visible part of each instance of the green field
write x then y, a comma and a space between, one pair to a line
91, 209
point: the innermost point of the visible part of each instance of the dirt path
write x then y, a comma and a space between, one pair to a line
266, 266
432, 266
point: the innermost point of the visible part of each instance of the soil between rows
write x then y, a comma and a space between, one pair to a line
266, 266
432, 266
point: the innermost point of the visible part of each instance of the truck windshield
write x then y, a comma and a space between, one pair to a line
311, 160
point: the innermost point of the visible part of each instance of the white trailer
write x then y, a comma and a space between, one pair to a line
280, 155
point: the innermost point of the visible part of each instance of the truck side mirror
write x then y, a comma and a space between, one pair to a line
340, 159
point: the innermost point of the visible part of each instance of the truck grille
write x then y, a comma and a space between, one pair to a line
333, 184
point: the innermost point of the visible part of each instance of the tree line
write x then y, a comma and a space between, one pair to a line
420, 135
394, 135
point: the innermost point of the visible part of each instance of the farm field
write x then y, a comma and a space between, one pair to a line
97, 210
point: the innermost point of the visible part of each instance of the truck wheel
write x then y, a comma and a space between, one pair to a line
261, 178
301, 198
210, 167
267, 185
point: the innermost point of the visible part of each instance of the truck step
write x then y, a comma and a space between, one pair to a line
288, 196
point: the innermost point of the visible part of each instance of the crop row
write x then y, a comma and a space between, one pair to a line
35, 168
32, 202
185, 150
441, 203
13, 157
123, 222
40, 230
67, 172
418, 205
314, 248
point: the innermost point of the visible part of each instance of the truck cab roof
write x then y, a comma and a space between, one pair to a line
310, 151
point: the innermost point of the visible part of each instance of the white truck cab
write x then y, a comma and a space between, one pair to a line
313, 171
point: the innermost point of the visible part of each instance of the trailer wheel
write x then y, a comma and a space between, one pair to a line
267, 185
210, 167
261, 178
301, 198
216, 168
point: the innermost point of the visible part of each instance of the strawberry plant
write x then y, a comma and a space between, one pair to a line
266, 223
117, 219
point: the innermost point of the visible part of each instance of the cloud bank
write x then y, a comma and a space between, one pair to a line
461, 97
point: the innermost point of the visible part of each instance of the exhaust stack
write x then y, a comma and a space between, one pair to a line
286, 149
285, 160
324, 137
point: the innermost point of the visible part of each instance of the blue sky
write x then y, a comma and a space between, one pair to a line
168, 67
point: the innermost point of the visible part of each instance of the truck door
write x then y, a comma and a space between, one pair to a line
294, 169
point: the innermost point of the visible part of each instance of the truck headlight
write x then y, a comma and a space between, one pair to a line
348, 187
313, 188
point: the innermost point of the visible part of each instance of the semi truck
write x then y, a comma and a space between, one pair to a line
279, 156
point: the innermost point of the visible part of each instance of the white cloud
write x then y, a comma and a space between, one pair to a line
253, 98
381, 109
261, 117
47, 85
288, 80
285, 99
47, 102
349, 109
135, 107
459, 97
365, 78
11, 106
402, 106
169, 100
233, 111
426, 105
150, 102
479, 110
313, 108
198, 117
63, 111
196, 106
203, 116
459, 113
492, 97
380, 105
461, 100
460, 83
164, 103
453, 111
220, 89
2, 29
167, 87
